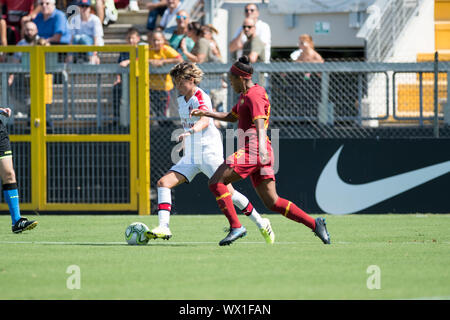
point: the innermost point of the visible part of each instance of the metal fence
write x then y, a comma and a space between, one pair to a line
79, 136
75, 128
343, 100
384, 25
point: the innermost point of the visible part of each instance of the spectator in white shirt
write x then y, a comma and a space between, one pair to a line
262, 31
173, 6
87, 29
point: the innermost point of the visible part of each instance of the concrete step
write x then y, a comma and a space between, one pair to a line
116, 33
133, 17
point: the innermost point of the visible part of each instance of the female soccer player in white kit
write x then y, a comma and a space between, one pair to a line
203, 152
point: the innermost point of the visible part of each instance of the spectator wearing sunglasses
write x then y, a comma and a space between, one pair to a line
52, 23
181, 33
262, 30
253, 47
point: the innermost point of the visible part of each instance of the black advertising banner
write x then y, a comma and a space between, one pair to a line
344, 176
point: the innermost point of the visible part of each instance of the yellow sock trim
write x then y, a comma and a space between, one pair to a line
287, 208
223, 196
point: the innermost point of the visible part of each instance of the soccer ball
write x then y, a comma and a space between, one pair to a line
135, 234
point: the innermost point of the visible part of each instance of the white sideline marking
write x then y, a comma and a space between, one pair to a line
168, 243
124, 243
430, 298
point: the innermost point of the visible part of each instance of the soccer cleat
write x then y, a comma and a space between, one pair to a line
267, 232
321, 230
23, 224
233, 235
159, 233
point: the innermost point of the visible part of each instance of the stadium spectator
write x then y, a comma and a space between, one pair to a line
207, 33
310, 96
202, 51
262, 31
173, 6
253, 47
161, 84
105, 10
133, 38
99, 7
110, 13
52, 24
307, 52
16, 13
30, 38
87, 29
19, 96
181, 33
156, 9
133, 5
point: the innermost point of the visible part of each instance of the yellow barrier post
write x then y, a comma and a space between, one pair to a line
144, 131
38, 127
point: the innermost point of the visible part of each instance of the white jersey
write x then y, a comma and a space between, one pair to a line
208, 141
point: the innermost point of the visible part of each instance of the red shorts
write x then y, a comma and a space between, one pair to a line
245, 162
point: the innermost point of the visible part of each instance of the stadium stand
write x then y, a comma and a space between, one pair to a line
418, 97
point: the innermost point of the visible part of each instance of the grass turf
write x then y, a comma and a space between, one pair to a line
412, 252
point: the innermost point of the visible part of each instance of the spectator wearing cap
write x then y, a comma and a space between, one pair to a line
52, 24
87, 29
262, 30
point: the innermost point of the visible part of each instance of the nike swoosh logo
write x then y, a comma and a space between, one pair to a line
338, 197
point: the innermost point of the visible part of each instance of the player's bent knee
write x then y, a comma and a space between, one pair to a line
8, 177
163, 183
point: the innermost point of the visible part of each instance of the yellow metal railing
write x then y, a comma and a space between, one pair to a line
137, 137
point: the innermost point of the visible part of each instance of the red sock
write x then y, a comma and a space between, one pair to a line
291, 211
223, 198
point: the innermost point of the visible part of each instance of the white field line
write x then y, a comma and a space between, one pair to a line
169, 243
124, 243
430, 298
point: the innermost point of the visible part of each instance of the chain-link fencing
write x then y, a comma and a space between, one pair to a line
351, 99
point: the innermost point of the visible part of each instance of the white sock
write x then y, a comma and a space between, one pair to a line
241, 201
165, 200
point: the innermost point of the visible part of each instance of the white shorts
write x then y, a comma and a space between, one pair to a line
189, 169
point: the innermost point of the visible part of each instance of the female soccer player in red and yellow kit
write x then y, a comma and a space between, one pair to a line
254, 158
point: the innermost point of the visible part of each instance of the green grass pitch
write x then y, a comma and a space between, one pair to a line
411, 251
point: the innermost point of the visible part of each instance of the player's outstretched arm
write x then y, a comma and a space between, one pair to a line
221, 116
